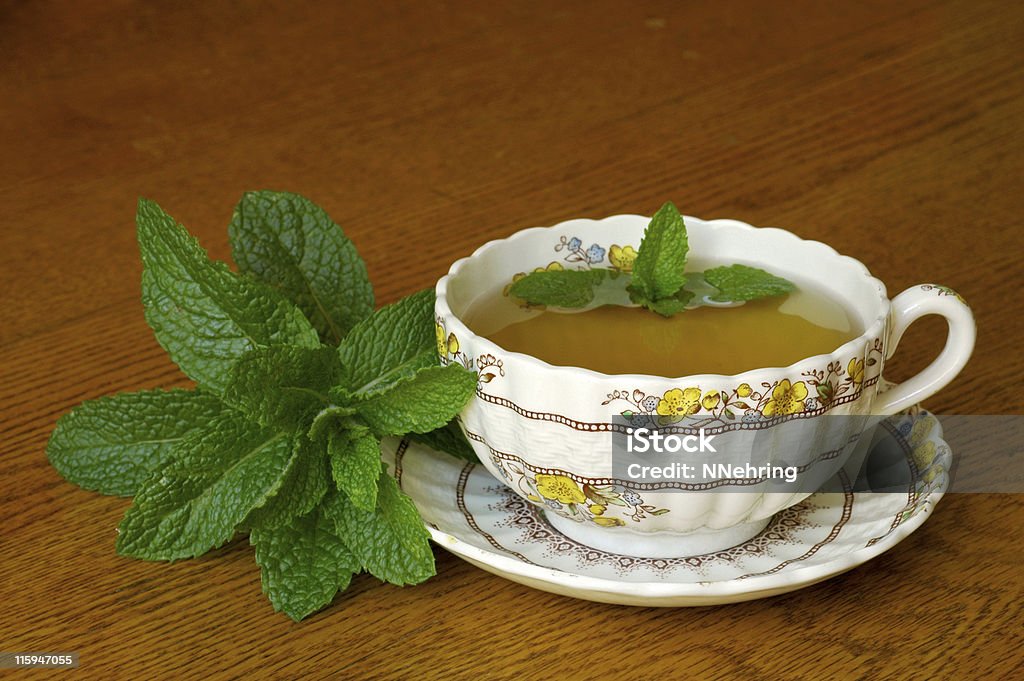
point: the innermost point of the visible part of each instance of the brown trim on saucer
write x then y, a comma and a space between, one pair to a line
460, 499
836, 529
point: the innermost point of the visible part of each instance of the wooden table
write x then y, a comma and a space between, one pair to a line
890, 130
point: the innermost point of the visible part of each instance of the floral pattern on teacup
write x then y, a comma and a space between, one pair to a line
619, 259
943, 291
747, 403
605, 505
487, 366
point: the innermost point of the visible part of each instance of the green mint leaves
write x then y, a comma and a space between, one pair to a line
661, 258
658, 279
289, 242
741, 282
113, 444
203, 314
391, 346
561, 288
299, 379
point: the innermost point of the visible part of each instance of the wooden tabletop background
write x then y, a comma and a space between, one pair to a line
893, 131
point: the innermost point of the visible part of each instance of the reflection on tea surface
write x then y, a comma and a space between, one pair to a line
614, 339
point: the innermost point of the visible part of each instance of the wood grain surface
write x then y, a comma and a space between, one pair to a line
893, 131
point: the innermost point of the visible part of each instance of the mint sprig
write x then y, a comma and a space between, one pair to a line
658, 280
282, 438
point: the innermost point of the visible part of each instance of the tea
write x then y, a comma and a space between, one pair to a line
708, 339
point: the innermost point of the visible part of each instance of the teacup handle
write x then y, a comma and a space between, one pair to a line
908, 307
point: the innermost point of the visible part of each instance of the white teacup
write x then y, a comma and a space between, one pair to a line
544, 429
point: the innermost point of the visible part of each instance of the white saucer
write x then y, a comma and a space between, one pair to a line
475, 516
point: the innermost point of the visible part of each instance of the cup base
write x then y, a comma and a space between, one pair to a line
660, 544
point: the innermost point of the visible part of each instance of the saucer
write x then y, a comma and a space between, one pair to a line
473, 515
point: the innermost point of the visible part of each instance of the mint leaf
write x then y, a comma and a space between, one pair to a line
390, 541
448, 439
658, 271
289, 242
203, 314
214, 478
303, 485
422, 403
391, 345
740, 282
112, 444
327, 420
558, 288
284, 386
303, 563
666, 307
355, 464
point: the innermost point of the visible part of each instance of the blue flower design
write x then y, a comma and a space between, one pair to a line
575, 244
595, 254
631, 497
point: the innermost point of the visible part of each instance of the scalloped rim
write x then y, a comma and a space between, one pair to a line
873, 330
769, 585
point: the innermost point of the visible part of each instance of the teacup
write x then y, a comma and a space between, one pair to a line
545, 430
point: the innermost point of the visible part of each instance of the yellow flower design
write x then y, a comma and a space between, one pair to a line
609, 522
553, 266
597, 509
453, 344
920, 431
677, 403
505, 291
622, 257
929, 475
856, 370
924, 455
711, 400
786, 399
744, 390
439, 332
559, 488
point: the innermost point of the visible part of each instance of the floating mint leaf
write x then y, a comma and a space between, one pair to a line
112, 444
213, 480
289, 242
283, 386
667, 307
203, 314
390, 541
428, 400
391, 345
740, 282
355, 464
303, 563
658, 271
558, 288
